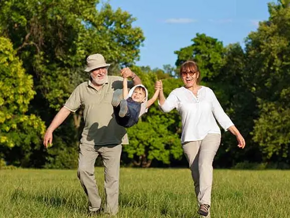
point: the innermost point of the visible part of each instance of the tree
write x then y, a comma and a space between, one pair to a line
17, 128
53, 39
268, 51
207, 52
170, 70
234, 89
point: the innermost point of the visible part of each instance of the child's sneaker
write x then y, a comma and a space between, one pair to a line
123, 108
117, 97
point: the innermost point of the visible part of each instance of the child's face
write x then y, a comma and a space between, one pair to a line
138, 95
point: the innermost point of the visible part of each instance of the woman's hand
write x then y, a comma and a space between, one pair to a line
158, 85
240, 138
241, 141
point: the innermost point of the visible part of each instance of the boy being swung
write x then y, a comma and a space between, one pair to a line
130, 105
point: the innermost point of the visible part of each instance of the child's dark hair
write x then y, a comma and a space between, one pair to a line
141, 88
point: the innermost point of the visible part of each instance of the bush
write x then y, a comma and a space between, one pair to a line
250, 166
261, 166
64, 158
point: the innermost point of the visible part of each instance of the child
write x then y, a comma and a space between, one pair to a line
129, 106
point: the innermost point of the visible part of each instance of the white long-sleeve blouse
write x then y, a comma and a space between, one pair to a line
198, 113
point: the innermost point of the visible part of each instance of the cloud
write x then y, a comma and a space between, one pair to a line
221, 21
179, 20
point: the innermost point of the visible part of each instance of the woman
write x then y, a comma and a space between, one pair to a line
199, 110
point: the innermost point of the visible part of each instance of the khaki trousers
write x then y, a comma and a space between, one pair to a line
200, 155
86, 173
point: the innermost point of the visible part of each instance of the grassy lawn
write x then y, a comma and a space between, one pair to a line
151, 193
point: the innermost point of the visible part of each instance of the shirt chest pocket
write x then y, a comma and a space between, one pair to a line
108, 97
97, 98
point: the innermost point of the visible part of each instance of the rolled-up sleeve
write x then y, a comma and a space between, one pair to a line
222, 118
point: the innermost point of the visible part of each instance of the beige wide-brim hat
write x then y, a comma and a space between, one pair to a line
95, 61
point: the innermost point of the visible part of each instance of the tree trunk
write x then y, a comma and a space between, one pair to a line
143, 161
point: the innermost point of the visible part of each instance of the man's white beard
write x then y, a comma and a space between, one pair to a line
100, 81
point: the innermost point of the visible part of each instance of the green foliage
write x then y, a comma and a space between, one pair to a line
269, 52
62, 157
207, 52
246, 165
261, 166
272, 130
2, 163
17, 128
233, 89
52, 39
64, 152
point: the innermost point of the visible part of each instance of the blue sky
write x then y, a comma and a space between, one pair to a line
169, 25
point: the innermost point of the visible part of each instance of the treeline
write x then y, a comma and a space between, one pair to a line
43, 45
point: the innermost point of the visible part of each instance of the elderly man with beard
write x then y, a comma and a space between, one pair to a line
101, 134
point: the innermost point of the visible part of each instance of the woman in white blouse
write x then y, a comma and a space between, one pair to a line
201, 135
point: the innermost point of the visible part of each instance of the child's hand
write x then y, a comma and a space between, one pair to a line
158, 85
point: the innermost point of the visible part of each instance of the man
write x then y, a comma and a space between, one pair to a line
101, 134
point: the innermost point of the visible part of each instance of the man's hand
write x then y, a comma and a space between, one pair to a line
57, 120
126, 73
47, 140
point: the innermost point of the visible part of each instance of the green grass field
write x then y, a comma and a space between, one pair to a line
146, 193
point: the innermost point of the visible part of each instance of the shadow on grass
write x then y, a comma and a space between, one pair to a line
142, 201
50, 199
146, 202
